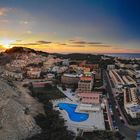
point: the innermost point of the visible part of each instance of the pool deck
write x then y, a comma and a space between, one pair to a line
94, 122
69, 94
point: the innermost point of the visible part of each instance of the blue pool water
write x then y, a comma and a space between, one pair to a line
74, 116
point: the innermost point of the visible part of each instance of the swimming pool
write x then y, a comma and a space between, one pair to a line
74, 116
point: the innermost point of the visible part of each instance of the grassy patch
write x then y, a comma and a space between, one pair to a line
50, 93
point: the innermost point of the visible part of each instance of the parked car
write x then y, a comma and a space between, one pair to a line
116, 128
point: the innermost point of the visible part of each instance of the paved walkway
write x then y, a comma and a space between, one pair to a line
70, 95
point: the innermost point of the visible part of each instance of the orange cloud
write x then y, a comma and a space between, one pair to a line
74, 47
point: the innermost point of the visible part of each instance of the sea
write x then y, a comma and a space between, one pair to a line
125, 55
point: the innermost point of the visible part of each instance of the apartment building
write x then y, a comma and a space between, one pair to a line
117, 80
132, 102
134, 73
129, 80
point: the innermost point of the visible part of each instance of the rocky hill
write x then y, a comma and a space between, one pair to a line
19, 50
15, 122
25, 50
15, 52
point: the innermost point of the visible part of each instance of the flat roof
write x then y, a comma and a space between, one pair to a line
90, 101
90, 98
86, 78
72, 75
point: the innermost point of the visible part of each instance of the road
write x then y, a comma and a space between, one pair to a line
123, 129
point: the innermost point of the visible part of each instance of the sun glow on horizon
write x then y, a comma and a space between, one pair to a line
6, 43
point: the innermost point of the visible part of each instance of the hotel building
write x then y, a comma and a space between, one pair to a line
89, 101
85, 84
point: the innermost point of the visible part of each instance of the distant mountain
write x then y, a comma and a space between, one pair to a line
91, 58
12, 52
72, 56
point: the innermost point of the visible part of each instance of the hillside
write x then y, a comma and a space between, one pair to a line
19, 50
15, 123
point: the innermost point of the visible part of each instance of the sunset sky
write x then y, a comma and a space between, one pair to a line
65, 26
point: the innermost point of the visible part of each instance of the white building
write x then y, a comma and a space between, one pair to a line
131, 102
134, 73
117, 80
65, 62
14, 75
55, 69
128, 80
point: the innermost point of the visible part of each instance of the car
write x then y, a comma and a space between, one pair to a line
116, 128
138, 135
110, 109
116, 107
114, 123
120, 117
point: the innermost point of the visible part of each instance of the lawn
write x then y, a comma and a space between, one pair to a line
50, 93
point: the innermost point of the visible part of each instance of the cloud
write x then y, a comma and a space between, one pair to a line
40, 42
64, 44
43, 42
88, 43
68, 44
3, 11
24, 44
80, 46
60, 43
71, 44
85, 42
